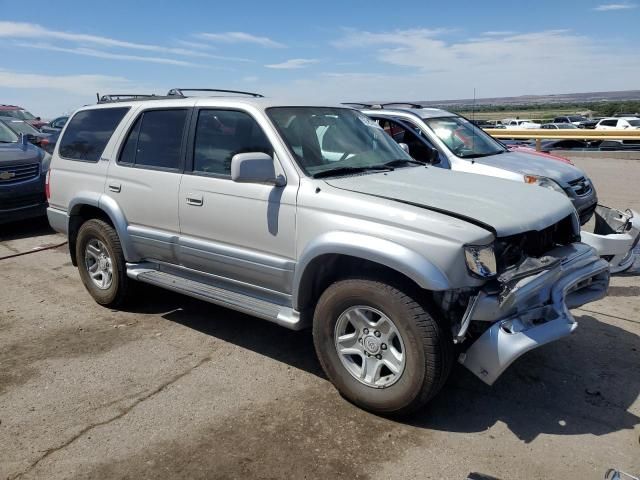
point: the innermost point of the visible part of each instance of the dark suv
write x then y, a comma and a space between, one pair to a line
23, 168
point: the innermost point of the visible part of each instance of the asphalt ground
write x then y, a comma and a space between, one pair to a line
177, 388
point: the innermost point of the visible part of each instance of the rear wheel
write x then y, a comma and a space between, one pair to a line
101, 263
380, 346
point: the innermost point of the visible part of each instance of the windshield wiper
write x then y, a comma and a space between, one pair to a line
400, 162
479, 155
335, 172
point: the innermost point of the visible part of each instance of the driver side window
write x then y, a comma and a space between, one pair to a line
419, 147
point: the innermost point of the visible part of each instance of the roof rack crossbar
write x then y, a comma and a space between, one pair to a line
379, 106
125, 97
359, 104
179, 92
411, 104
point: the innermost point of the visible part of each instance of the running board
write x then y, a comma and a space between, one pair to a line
282, 315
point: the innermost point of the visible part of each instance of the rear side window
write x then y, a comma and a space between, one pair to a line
155, 140
89, 132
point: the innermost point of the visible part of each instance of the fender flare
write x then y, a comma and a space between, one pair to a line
412, 264
112, 210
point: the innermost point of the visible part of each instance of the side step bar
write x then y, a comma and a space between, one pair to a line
282, 315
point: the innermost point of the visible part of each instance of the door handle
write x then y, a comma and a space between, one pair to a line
194, 200
115, 187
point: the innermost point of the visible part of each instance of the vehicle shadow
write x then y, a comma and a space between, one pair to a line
584, 384
35, 227
276, 342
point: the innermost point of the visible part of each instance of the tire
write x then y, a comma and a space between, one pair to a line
427, 348
101, 236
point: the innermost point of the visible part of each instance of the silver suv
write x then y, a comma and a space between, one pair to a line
313, 216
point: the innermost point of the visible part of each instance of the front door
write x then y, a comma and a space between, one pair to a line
240, 234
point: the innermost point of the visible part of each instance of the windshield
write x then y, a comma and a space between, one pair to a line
20, 126
6, 135
464, 139
634, 123
323, 139
21, 114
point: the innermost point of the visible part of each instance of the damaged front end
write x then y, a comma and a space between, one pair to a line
614, 234
542, 275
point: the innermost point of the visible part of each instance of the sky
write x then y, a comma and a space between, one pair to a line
57, 55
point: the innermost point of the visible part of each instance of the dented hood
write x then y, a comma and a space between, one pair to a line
504, 206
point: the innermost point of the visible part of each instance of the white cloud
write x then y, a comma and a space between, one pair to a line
608, 7
89, 52
74, 84
293, 64
241, 37
419, 64
19, 30
498, 33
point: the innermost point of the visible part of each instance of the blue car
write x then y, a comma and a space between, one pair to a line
23, 169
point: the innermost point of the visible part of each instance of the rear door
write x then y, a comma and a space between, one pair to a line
145, 178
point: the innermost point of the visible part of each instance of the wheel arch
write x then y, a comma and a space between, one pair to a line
339, 254
90, 205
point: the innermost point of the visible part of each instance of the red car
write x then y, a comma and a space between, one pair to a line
22, 114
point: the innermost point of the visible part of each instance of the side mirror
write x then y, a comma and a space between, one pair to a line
255, 167
404, 147
434, 156
38, 118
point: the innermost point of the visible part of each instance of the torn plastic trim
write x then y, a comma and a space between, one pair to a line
542, 315
615, 236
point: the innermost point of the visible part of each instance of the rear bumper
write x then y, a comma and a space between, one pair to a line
58, 219
534, 310
614, 237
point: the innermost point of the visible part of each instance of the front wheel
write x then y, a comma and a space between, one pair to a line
380, 346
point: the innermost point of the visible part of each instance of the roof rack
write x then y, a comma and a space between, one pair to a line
410, 104
381, 106
126, 97
179, 92
360, 104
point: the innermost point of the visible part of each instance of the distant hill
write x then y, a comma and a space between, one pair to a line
559, 99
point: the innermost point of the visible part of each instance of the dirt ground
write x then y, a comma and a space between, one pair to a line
177, 388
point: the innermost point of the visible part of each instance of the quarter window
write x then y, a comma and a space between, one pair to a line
221, 134
155, 140
89, 132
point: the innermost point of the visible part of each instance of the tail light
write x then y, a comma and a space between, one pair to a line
47, 187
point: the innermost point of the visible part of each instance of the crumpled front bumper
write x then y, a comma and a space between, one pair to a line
614, 236
534, 310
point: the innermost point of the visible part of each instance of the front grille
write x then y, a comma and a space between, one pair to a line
18, 173
581, 186
20, 201
512, 250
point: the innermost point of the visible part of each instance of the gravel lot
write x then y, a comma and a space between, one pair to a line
177, 388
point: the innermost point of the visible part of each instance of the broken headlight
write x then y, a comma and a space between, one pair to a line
544, 182
481, 260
